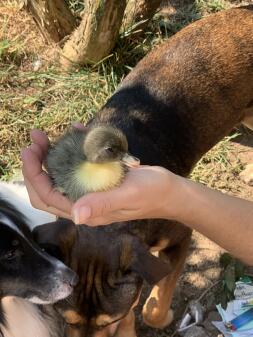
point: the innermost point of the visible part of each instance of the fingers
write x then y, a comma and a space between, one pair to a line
38, 151
39, 204
40, 189
91, 206
114, 216
40, 138
136, 198
78, 125
102, 208
99, 204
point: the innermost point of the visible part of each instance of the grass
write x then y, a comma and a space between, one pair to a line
76, 5
216, 163
188, 11
48, 99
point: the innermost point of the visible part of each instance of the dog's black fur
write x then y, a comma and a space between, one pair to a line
26, 271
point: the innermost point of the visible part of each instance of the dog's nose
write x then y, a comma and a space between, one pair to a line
73, 282
70, 277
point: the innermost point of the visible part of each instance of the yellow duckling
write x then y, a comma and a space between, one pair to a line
92, 160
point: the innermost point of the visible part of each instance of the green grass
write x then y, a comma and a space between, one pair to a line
189, 11
216, 163
51, 100
46, 100
212, 6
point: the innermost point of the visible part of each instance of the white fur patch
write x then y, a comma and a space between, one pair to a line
17, 195
23, 319
37, 300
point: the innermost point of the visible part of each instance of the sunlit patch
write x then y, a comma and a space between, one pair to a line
72, 317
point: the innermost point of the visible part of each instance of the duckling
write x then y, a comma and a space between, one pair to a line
83, 161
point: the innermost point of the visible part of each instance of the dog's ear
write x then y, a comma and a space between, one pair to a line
149, 267
56, 237
138, 258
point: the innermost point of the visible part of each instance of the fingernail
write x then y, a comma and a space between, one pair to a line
78, 125
23, 153
80, 215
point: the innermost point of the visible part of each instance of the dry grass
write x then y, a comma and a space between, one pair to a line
219, 162
35, 93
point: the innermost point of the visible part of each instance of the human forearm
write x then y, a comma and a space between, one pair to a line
226, 220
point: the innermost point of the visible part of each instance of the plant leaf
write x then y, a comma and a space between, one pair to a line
224, 301
230, 278
225, 260
239, 269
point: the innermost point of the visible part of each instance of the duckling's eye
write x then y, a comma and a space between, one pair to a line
109, 149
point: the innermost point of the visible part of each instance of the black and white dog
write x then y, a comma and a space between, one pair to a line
29, 277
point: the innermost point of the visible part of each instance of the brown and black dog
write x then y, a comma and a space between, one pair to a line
177, 103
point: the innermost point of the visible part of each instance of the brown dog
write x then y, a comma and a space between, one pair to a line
177, 103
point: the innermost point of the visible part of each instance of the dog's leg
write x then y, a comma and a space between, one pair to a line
126, 327
123, 328
156, 311
106, 332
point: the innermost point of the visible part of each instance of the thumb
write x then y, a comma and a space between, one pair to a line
93, 205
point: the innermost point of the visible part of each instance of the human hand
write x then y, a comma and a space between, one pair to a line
147, 192
40, 189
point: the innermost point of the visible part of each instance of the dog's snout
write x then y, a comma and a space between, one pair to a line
74, 280
69, 277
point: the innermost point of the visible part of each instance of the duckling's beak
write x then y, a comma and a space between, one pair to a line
130, 160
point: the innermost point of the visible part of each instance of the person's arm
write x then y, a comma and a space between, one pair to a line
224, 219
148, 192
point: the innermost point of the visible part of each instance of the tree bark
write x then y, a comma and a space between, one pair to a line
53, 18
96, 36
97, 33
140, 11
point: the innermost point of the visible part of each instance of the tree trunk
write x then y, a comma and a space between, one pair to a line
97, 33
53, 18
96, 36
140, 11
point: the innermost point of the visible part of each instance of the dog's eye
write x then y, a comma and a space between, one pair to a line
11, 254
15, 243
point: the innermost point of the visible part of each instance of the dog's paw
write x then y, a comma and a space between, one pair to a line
157, 319
247, 174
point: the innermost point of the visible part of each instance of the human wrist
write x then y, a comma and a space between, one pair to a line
177, 199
